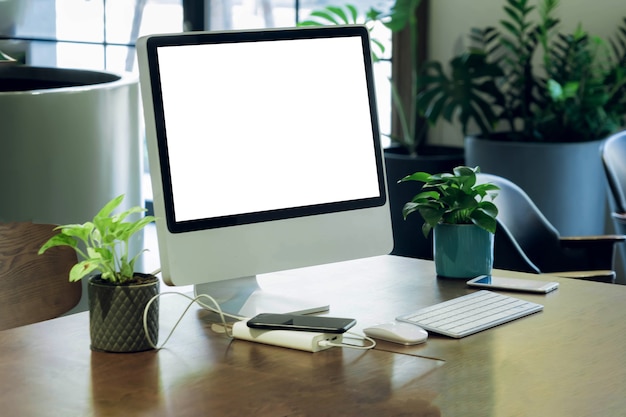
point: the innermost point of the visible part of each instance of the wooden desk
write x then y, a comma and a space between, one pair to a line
568, 360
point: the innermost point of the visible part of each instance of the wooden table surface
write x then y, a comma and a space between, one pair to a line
568, 360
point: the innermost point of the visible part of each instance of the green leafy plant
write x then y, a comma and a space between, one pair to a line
106, 243
576, 93
403, 14
453, 198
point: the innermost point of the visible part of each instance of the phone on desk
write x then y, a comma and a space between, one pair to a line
320, 324
516, 284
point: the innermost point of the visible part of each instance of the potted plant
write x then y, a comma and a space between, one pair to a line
532, 96
117, 294
463, 219
409, 151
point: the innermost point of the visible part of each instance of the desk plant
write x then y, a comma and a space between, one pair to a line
463, 218
117, 294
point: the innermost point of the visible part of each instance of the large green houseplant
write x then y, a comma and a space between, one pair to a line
577, 92
526, 95
463, 219
117, 294
409, 151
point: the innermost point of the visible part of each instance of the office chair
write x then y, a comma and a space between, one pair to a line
33, 287
614, 161
526, 241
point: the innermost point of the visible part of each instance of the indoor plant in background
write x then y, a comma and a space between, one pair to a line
117, 294
536, 98
462, 217
409, 151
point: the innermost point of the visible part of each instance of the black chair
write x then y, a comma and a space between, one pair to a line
526, 241
614, 160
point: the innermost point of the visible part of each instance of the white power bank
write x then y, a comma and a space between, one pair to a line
308, 341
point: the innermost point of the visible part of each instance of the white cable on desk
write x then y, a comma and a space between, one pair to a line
372, 344
217, 309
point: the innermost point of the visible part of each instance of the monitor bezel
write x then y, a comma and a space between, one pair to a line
153, 43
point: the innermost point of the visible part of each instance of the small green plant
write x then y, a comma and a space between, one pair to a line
106, 243
453, 199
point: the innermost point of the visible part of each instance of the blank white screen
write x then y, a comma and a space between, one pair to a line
266, 125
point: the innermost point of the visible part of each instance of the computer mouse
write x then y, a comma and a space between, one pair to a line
397, 332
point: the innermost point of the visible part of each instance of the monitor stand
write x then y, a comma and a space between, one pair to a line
244, 297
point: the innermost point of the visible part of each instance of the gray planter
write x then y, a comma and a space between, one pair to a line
116, 315
67, 135
565, 180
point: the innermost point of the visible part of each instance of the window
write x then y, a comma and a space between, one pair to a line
86, 34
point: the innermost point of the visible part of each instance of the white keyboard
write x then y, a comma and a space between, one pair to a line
471, 313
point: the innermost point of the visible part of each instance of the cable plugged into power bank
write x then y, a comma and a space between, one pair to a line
307, 341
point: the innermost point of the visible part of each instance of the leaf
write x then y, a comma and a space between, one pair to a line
338, 11
484, 220
325, 16
82, 269
138, 225
426, 196
79, 231
123, 215
514, 14
110, 206
418, 176
58, 240
488, 207
409, 208
571, 89
509, 27
431, 215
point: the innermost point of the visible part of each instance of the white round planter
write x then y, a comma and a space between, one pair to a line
70, 143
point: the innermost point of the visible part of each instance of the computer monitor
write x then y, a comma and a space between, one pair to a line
264, 153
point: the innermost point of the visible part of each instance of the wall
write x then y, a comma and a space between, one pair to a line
451, 20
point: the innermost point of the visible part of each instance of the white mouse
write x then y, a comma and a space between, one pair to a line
398, 332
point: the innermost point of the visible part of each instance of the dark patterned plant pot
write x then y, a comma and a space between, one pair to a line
116, 314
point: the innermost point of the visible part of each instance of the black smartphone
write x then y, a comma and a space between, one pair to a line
305, 323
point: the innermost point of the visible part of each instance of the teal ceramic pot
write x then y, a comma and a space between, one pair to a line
462, 251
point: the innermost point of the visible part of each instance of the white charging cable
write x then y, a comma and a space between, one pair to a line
372, 344
216, 309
